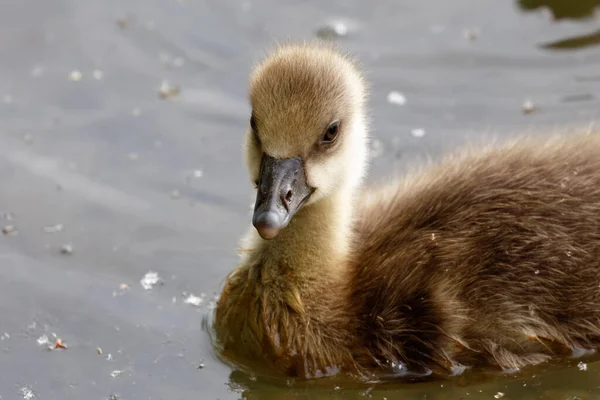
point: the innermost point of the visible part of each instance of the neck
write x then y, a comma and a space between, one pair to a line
312, 250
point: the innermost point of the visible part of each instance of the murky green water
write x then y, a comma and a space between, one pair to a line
140, 183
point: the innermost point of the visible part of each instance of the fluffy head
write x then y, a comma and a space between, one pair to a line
300, 95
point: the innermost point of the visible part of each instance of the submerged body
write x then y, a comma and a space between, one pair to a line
490, 258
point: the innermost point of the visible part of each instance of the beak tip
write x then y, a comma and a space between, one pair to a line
268, 224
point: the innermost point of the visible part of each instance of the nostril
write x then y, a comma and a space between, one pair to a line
288, 196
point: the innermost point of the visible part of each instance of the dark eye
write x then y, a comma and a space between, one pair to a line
331, 133
253, 123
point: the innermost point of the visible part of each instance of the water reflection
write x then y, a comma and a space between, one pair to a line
567, 9
563, 9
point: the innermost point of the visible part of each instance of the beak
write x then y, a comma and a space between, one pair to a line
282, 190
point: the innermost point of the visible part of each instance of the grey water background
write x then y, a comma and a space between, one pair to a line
134, 183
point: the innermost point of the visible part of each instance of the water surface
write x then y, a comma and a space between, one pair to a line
118, 167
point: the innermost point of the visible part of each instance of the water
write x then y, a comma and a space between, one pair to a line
108, 110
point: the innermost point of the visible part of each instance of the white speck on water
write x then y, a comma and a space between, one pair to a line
418, 132
67, 249
136, 112
528, 107
582, 366
471, 33
54, 228
133, 156
193, 300
115, 373
9, 230
537, 272
397, 98
43, 340
109, 357
167, 91
37, 71
333, 29
150, 280
75, 76
499, 395
433, 236
376, 148
8, 99
569, 254
98, 74
197, 173
336, 388
5, 336
27, 393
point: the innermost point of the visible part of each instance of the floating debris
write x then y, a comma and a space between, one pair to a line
175, 194
471, 33
201, 366
537, 272
136, 112
66, 249
125, 21
75, 76
123, 287
167, 92
9, 230
27, 393
417, 132
193, 300
109, 357
333, 29
116, 373
54, 228
43, 340
37, 71
499, 395
5, 336
150, 280
98, 74
376, 148
197, 173
99, 351
528, 107
582, 366
59, 344
8, 99
397, 98
113, 397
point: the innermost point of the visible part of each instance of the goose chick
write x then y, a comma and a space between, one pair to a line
490, 258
